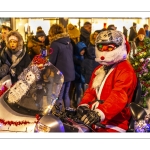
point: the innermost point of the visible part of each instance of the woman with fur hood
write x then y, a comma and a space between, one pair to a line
14, 58
62, 58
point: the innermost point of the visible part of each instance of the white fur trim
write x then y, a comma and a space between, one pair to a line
98, 91
112, 127
13, 38
100, 113
100, 74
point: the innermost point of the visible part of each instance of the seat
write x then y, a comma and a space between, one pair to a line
137, 111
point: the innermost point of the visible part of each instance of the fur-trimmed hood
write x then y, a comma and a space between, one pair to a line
18, 56
60, 36
19, 37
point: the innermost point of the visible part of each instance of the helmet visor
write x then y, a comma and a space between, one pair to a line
106, 47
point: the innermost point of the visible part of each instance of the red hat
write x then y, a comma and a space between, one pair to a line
127, 46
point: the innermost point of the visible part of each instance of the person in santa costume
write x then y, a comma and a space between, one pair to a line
111, 86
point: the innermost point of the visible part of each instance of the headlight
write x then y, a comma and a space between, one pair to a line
41, 128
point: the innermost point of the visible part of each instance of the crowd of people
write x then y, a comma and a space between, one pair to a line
95, 68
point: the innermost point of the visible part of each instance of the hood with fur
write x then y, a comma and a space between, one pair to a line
59, 36
19, 37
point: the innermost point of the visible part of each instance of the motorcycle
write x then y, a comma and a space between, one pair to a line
29, 105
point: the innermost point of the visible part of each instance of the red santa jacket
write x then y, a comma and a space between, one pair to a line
116, 91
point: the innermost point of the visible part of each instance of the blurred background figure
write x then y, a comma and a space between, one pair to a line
36, 43
62, 58
111, 27
140, 37
85, 33
40, 35
145, 26
125, 32
74, 33
139, 40
79, 78
89, 63
133, 32
4, 32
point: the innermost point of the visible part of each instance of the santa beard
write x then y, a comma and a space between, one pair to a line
100, 75
111, 57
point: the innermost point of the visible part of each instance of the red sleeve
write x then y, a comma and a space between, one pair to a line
120, 96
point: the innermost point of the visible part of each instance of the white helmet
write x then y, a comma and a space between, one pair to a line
109, 37
110, 47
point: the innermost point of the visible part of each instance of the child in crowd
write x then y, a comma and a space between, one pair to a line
79, 78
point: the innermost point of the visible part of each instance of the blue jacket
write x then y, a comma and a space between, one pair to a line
147, 33
78, 74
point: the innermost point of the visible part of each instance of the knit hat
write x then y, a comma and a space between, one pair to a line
141, 31
40, 32
73, 31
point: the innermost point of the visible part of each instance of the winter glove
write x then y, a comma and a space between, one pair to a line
90, 118
81, 111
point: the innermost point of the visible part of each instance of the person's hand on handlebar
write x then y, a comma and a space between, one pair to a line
90, 118
87, 116
81, 111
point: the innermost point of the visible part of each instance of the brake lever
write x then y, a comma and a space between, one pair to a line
100, 125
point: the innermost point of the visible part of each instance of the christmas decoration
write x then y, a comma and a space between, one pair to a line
142, 125
3, 90
40, 61
141, 64
17, 123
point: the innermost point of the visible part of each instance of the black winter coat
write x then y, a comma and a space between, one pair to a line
62, 56
132, 34
89, 63
22, 62
84, 36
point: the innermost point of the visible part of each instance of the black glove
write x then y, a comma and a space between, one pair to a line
81, 111
90, 118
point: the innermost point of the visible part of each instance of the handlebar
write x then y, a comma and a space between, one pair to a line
67, 115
